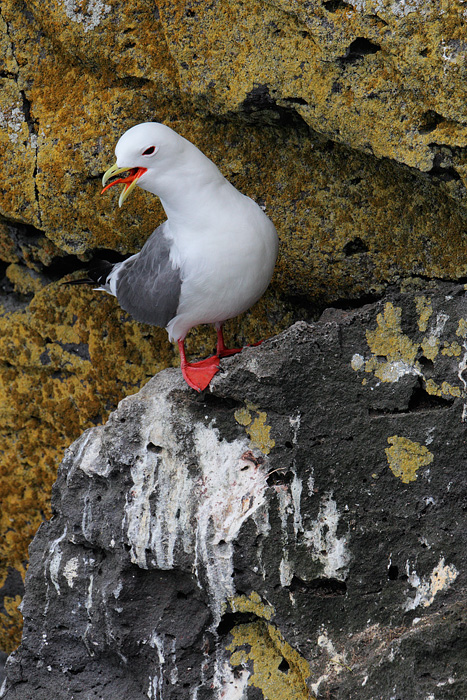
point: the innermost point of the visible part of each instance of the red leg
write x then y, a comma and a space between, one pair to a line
197, 374
222, 351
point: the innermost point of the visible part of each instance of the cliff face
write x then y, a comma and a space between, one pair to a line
294, 532
345, 120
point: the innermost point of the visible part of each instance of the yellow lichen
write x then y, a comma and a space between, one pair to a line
450, 390
371, 364
445, 389
263, 646
253, 604
10, 623
432, 388
24, 281
388, 341
462, 328
260, 433
452, 349
257, 428
424, 311
430, 347
405, 457
243, 416
394, 353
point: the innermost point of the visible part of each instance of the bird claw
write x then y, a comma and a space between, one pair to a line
199, 374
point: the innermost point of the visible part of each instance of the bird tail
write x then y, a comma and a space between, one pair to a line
97, 274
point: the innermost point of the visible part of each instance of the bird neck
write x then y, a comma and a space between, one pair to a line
192, 190
190, 194
195, 204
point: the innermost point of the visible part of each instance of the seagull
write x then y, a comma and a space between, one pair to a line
209, 261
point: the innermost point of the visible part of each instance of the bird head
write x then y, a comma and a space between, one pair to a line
141, 152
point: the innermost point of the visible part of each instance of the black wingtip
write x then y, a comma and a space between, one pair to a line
97, 274
84, 280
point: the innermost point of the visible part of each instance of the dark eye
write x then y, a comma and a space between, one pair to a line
149, 151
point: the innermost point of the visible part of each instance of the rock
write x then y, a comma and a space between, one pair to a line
329, 76
345, 120
11, 592
3, 658
294, 532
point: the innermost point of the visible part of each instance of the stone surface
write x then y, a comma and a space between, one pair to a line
334, 67
346, 120
294, 532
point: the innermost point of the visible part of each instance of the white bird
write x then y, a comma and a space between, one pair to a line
210, 261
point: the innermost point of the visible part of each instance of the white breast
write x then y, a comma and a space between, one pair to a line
226, 261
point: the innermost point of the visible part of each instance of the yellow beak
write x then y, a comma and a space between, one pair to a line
130, 181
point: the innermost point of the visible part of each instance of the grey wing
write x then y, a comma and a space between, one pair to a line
147, 285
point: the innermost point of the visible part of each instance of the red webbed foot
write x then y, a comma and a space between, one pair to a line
199, 374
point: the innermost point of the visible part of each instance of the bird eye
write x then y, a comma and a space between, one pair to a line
149, 151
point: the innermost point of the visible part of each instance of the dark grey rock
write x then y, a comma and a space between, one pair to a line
3, 658
306, 515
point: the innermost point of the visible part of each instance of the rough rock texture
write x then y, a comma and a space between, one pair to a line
295, 532
346, 120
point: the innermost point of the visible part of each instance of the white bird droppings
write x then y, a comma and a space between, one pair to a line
357, 362
171, 505
326, 547
54, 560
233, 686
335, 664
233, 490
70, 570
440, 579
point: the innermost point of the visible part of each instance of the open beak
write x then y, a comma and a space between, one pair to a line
129, 181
